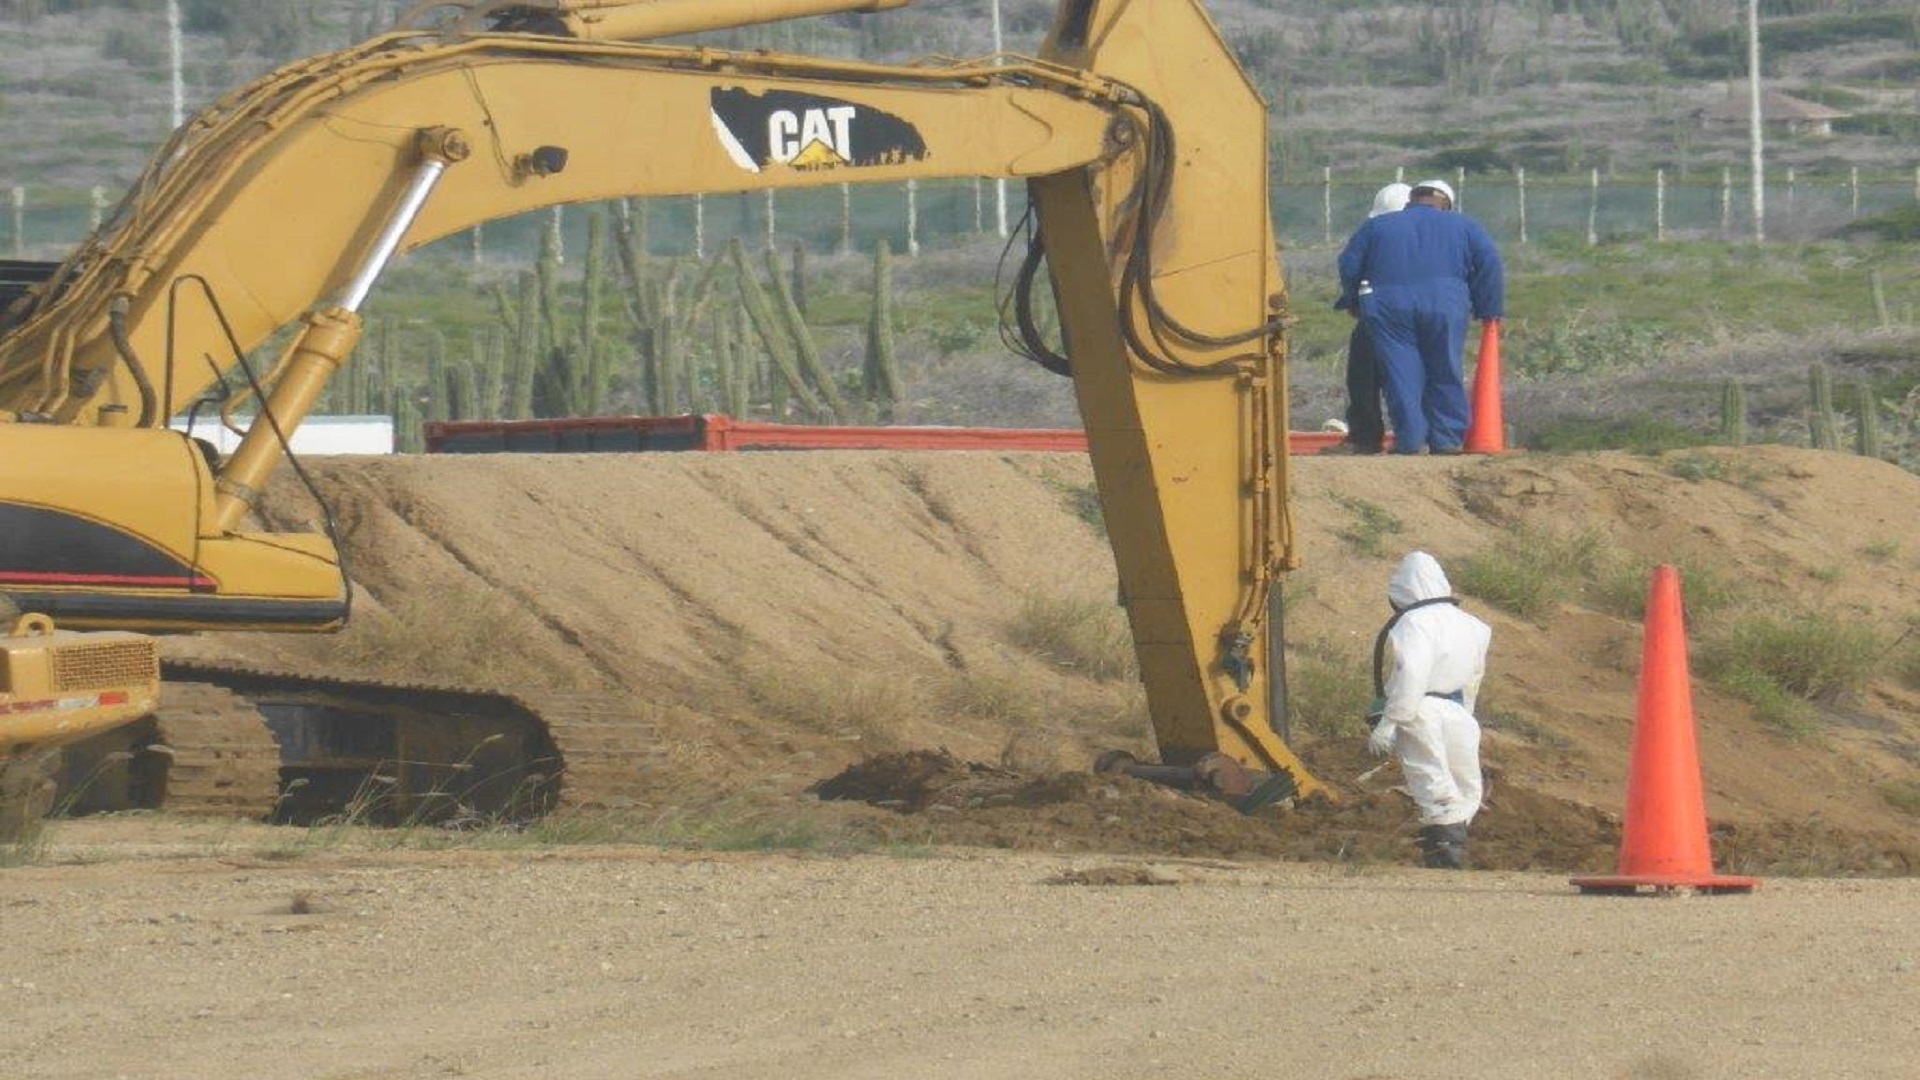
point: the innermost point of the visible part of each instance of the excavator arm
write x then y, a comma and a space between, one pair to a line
1142, 142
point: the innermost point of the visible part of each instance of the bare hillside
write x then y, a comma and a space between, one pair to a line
782, 616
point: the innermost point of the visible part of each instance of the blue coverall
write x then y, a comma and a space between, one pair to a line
1429, 269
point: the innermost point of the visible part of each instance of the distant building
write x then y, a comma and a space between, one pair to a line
1776, 110
315, 435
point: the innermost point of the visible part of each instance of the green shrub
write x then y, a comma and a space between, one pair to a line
1620, 588
1328, 688
1529, 572
1810, 656
1077, 633
1371, 526
1641, 434
1903, 795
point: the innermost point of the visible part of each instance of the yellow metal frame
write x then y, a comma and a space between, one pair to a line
275, 197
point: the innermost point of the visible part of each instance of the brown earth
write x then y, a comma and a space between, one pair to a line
780, 617
835, 621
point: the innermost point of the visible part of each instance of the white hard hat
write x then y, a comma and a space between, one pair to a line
1389, 199
1440, 186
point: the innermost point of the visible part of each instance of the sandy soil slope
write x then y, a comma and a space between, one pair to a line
783, 615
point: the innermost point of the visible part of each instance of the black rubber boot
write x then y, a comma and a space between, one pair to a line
1444, 847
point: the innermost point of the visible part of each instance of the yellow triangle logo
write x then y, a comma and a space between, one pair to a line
817, 155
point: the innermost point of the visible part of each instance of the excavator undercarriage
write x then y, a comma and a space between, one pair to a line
239, 741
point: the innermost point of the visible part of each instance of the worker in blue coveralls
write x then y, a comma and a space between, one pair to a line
1429, 269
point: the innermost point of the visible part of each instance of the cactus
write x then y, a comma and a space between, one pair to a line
1866, 432
800, 276
389, 403
1823, 433
524, 353
778, 347
590, 393
1733, 413
803, 343
880, 377
407, 437
437, 395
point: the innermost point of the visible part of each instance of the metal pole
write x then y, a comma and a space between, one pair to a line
846, 218
1326, 204
999, 186
1754, 123
1520, 183
913, 217
1593, 207
176, 51
1660, 204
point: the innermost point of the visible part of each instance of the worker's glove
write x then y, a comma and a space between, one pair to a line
1380, 743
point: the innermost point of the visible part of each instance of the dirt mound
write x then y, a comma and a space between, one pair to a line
947, 800
781, 617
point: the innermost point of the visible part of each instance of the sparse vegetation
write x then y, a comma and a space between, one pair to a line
1077, 633
1371, 526
1328, 688
1781, 661
1620, 587
459, 637
1529, 572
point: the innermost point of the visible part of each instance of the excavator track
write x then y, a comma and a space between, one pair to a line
221, 759
241, 740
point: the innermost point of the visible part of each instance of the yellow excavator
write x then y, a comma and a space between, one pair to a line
276, 209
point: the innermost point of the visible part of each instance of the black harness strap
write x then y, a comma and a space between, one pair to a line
1380, 641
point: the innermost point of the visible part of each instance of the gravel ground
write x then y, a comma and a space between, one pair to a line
191, 954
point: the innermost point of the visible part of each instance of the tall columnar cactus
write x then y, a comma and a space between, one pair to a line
1866, 431
767, 326
800, 276
389, 403
438, 397
880, 376
524, 361
463, 392
803, 344
1733, 413
591, 394
1823, 432
407, 436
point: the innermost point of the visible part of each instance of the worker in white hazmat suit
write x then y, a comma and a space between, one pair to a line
1424, 711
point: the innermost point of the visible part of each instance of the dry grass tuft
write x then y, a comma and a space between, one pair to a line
1076, 633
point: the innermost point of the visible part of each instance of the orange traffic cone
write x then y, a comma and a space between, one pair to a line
1487, 432
1664, 842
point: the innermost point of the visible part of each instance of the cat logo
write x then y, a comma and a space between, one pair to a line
786, 128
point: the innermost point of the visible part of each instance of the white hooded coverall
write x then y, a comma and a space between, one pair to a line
1437, 650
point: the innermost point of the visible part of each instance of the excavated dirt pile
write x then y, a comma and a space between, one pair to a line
782, 618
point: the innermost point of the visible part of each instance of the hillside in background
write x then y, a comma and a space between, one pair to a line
1552, 85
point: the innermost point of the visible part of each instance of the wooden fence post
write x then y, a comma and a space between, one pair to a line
1726, 202
770, 220
699, 227
1853, 184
